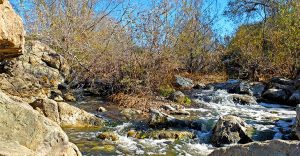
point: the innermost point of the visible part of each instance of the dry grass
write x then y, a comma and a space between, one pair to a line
206, 78
137, 102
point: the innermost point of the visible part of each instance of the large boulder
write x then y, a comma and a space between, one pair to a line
267, 148
276, 95
31, 131
75, 117
65, 114
230, 129
282, 81
243, 99
162, 120
11, 32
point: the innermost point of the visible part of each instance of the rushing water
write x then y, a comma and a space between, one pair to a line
271, 121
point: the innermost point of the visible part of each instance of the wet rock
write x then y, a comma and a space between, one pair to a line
101, 109
70, 97
231, 86
244, 88
276, 95
12, 33
180, 112
268, 148
58, 98
22, 124
257, 89
297, 82
161, 120
62, 86
74, 117
183, 82
230, 129
168, 108
131, 113
105, 148
177, 96
171, 134
158, 118
201, 86
132, 133
282, 81
108, 136
295, 98
244, 99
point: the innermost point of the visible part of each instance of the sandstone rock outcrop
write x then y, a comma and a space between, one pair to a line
230, 129
32, 132
31, 76
11, 32
267, 148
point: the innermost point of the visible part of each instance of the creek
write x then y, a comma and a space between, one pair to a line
270, 121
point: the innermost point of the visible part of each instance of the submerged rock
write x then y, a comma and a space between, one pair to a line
70, 97
12, 33
267, 148
180, 112
171, 134
101, 109
244, 99
161, 120
230, 129
108, 136
162, 134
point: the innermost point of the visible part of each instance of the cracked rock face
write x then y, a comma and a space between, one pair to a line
23, 129
11, 32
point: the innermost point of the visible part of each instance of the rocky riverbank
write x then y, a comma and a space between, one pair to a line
43, 113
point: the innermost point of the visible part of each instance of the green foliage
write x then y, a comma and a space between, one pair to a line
166, 90
187, 101
269, 47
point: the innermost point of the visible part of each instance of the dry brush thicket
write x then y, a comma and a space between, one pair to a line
140, 49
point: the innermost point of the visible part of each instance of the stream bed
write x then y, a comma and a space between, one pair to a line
270, 121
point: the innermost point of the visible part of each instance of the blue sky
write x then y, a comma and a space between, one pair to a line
222, 26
